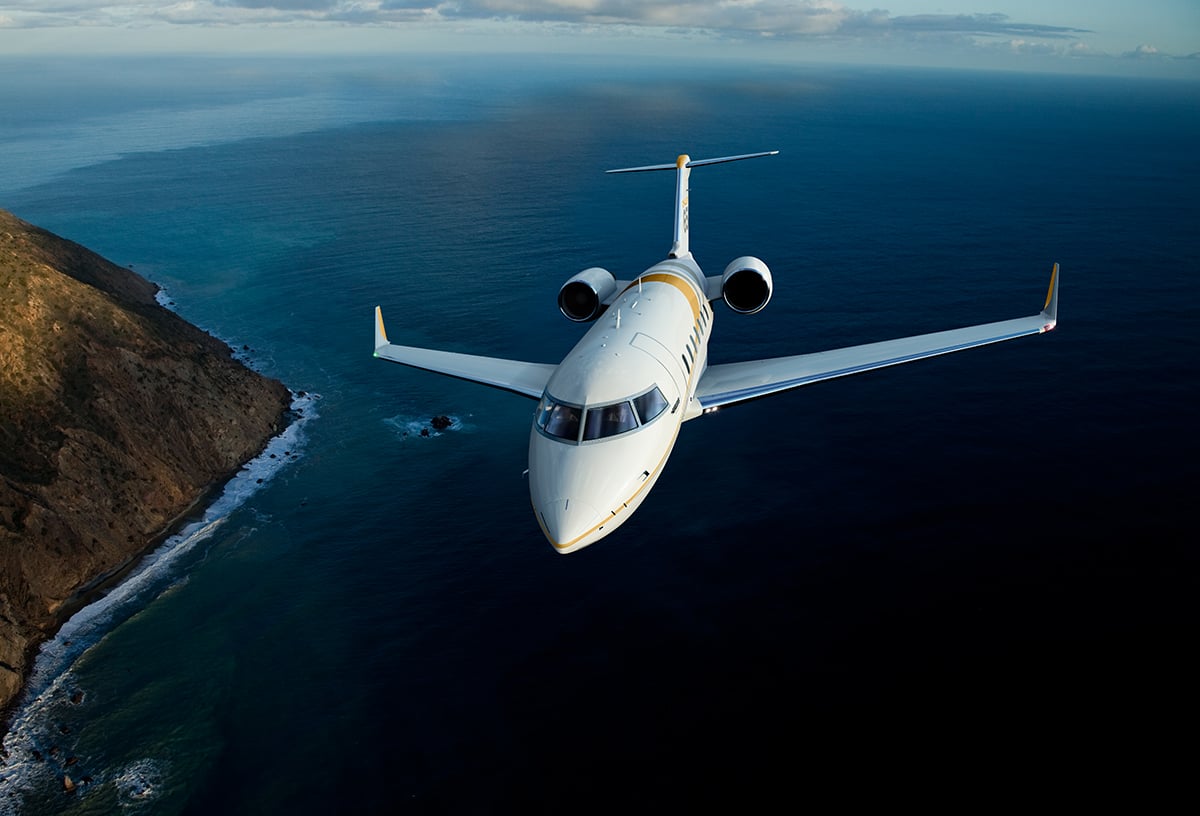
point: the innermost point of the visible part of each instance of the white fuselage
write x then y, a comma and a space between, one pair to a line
601, 435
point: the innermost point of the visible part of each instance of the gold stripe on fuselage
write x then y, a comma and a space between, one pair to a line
679, 282
624, 505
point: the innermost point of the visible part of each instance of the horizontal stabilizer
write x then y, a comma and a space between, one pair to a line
526, 379
692, 163
682, 166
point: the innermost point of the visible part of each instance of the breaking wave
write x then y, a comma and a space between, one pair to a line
49, 684
138, 783
411, 427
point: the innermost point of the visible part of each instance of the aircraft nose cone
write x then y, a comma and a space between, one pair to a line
567, 523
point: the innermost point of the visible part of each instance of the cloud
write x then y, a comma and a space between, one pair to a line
829, 21
1019, 46
282, 5
981, 25
797, 18
775, 16
1143, 52
1152, 53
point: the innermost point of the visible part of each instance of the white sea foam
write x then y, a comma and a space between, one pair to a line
407, 426
139, 783
51, 683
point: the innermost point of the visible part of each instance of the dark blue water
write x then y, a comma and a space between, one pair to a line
932, 566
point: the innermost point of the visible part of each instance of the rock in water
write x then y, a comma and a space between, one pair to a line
116, 417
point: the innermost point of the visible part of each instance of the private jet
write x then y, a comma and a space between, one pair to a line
609, 414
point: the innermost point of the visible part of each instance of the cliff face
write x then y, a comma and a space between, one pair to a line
116, 417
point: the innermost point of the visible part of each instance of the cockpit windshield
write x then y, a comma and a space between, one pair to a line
608, 420
565, 422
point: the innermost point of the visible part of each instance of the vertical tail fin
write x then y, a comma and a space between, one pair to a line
679, 243
683, 166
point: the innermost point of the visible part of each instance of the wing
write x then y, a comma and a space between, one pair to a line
737, 382
526, 379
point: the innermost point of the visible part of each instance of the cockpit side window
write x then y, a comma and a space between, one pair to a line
650, 404
608, 420
560, 420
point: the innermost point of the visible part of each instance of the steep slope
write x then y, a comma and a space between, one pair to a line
116, 417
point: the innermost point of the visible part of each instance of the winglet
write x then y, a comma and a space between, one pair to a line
380, 335
1050, 310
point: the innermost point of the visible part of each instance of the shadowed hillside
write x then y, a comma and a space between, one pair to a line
116, 417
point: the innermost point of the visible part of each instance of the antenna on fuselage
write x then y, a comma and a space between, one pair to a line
683, 165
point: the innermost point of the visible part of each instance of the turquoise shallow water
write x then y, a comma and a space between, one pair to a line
973, 544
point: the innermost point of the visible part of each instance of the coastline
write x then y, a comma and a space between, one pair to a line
29, 741
103, 583
121, 422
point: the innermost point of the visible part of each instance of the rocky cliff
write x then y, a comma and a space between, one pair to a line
116, 418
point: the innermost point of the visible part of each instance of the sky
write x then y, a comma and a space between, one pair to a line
1155, 37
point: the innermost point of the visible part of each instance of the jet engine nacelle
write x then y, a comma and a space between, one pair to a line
582, 297
746, 285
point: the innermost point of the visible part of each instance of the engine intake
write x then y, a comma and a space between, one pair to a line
746, 285
582, 297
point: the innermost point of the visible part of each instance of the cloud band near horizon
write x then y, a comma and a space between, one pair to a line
775, 18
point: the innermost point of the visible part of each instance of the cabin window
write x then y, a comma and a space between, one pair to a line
650, 404
608, 420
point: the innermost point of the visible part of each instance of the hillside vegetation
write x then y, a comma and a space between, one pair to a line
116, 418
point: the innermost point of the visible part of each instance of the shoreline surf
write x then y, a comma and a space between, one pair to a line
29, 735
29, 743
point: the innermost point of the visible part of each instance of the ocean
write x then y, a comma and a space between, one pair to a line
981, 566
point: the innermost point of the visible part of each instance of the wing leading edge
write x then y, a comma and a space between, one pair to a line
731, 383
526, 379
